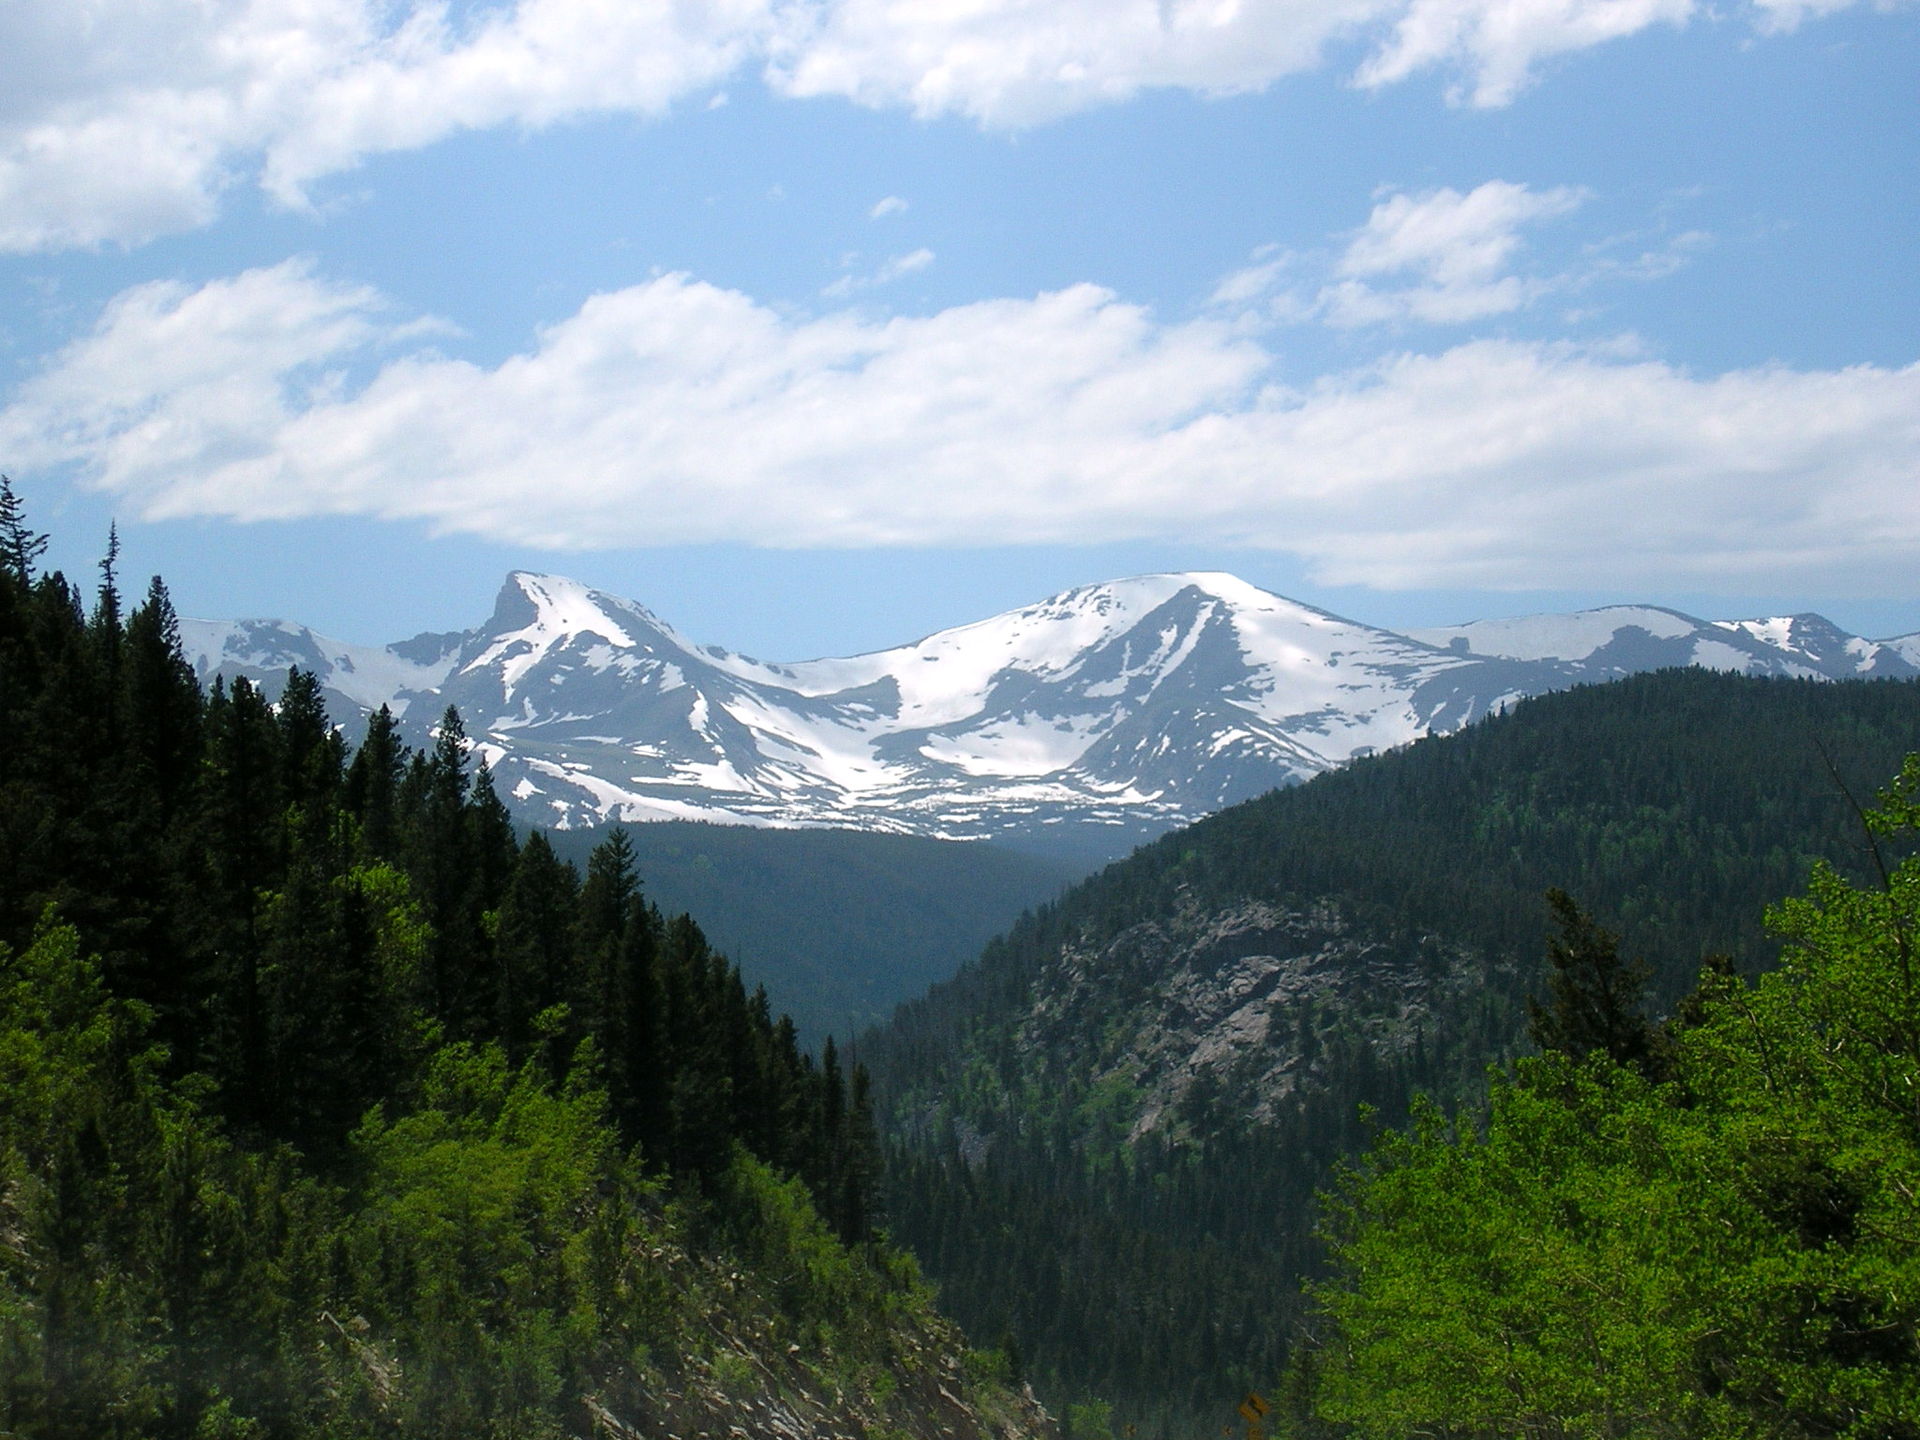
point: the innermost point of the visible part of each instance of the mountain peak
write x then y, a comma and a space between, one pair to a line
1118, 708
535, 614
559, 606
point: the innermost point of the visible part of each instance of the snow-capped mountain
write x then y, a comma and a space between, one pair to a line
1618, 640
1143, 702
1132, 706
354, 679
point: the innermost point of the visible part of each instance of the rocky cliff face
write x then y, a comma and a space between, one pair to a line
741, 1391
1215, 1016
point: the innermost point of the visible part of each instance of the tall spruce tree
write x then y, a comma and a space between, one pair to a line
372, 790
533, 947
20, 547
1596, 999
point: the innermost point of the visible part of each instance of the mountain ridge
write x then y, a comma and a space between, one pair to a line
1124, 1108
1116, 710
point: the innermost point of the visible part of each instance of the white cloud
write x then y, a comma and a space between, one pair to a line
1441, 258
891, 205
678, 412
127, 119
1008, 63
1253, 282
892, 269
1498, 43
1454, 249
1777, 16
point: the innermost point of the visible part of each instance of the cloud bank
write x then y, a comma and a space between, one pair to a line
123, 120
675, 412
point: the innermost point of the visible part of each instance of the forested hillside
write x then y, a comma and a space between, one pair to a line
328, 1107
1107, 1134
1702, 1229
840, 926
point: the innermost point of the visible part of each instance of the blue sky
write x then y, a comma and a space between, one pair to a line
815, 325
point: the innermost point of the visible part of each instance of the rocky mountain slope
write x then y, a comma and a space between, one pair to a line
1223, 1014
1153, 1076
1122, 709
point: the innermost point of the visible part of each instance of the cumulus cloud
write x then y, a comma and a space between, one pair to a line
891, 205
1442, 257
1008, 63
127, 119
675, 411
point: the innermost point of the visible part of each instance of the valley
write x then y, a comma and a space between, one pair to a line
547, 1148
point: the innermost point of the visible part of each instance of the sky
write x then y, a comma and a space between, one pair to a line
818, 325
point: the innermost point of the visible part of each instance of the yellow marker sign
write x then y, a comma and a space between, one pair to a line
1253, 1407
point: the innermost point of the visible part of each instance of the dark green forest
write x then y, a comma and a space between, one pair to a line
330, 1107
841, 926
1166, 1273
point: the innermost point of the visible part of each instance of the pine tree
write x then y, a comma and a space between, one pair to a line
533, 946
163, 702
106, 614
439, 861
700, 1085
606, 900
332, 1045
372, 791
492, 847
860, 1171
1596, 997
635, 1037
309, 748
236, 835
20, 547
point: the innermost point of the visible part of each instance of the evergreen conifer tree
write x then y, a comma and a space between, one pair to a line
20, 547
372, 791
163, 702
1596, 997
533, 947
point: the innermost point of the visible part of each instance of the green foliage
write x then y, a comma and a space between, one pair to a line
126, 1265
773, 1224
468, 1244
1675, 805
1734, 1251
329, 1110
1090, 1420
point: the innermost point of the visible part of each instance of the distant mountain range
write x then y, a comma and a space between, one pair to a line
1093, 719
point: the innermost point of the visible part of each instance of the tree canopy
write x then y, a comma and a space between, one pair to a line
1731, 1250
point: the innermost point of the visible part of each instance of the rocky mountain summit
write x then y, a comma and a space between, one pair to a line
1121, 709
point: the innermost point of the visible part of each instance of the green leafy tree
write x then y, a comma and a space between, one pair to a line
1733, 1251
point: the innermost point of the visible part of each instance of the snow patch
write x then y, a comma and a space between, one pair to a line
1558, 637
